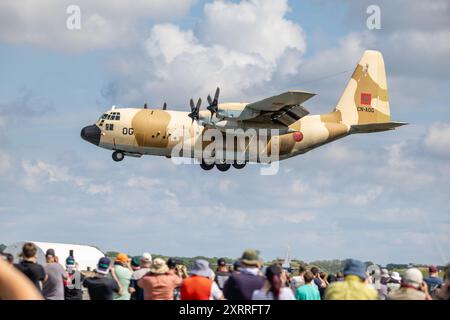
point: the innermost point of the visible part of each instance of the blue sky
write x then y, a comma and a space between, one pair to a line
380, 197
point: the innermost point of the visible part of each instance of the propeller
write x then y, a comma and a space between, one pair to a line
195, 109
213, 104
164, 106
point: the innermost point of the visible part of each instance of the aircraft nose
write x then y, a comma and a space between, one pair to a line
91, 134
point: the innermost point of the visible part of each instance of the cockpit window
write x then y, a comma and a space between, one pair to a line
118, 116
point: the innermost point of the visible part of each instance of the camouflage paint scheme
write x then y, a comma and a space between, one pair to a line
362, 108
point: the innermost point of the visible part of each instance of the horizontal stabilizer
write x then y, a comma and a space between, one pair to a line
275, 103
375, 127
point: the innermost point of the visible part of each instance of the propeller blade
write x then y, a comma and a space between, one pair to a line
216, 95
210, 100
195, 109
199, 103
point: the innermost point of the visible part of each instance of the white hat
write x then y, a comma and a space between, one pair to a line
413, 277
146, 257
396, 276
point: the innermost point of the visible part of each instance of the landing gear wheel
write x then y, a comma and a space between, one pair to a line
206, 166
239, 164
223, 166
118, 156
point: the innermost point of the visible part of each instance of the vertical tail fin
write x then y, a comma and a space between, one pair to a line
365, 98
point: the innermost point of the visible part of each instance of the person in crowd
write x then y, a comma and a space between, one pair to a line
433, 281
200, 285
122, 274
159, 283
394, 282
14, 285
240, 286
237, 266
444, 292
222, 273
384, 276
7, 257
135, 263
53, 288
100, 286
29, 266
353, 287
412, 287
72, 285
145, 262
299, 279
318, 281
340, 276
331, 278
275, 286
309, 290
378, 282
177, 267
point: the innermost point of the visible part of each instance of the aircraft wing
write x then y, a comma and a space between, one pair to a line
283, 109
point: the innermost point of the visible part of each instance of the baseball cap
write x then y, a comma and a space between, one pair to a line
433, 269
146, 257
122, 257
103, 265
136, 261
50, 252
70, 261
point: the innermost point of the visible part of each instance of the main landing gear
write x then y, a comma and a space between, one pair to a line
222, 166
118, 156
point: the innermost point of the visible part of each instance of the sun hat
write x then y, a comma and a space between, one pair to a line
159, 266
251, 258
396, 276
355, 267
413, 277
103, 265
201, 268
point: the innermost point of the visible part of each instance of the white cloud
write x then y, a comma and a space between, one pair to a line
338, 153
403, 171
38, 174
438, 139
367, 196
142, 183
103, 23
6, 163
236, 56
252, 27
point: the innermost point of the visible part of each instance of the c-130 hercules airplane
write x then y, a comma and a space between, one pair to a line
362, 108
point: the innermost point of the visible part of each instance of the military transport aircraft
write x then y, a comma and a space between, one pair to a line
362, 108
